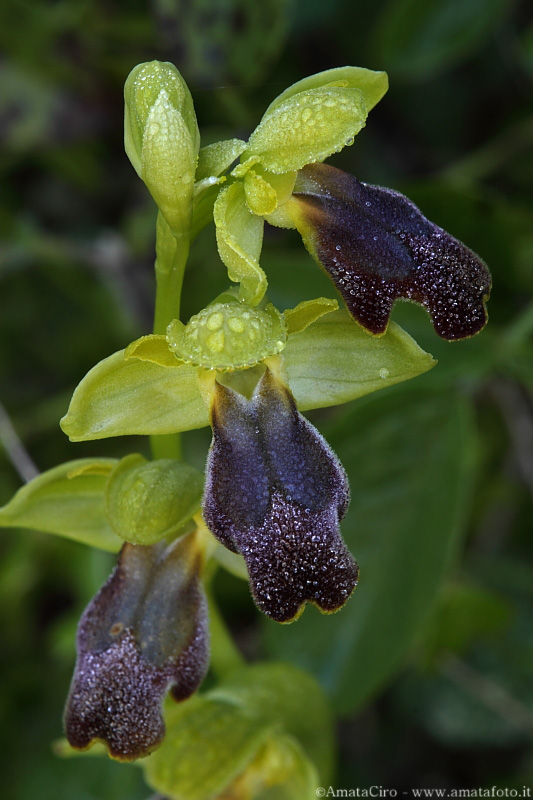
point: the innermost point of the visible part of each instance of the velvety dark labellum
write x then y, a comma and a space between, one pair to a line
377, 246
143, 633
275, 493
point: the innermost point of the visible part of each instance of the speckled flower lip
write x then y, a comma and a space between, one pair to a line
144, 632
275, 493
377, 246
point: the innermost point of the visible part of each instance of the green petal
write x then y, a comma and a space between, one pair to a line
67, 501
261, 197
308, 311
372, 84
154, 348
308, 127
119, 397
265, 190
239, 240
335, 360
149, 500
216, 158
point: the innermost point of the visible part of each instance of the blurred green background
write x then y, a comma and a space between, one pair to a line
430, 666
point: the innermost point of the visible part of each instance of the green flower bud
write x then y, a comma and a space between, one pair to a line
148, 500
161, 138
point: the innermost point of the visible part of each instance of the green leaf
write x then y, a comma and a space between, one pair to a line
307, 127
372, 84
148, 500
119, 397
418, 39
361, 364
67, 501
464, 614
216, 158
239, 241
408, 456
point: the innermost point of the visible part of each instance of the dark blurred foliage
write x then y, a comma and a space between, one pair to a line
430, 693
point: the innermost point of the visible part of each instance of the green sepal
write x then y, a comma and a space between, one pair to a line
216, 158
149, 500
308, 311
153, 347
262, 725
119, 397
307, 127
104, 466
67, 501
361, 363
371, 83
239, 240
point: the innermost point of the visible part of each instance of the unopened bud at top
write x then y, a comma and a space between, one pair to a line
161, 137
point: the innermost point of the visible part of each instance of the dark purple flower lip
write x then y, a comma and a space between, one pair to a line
275, 493
377, 247
144, 632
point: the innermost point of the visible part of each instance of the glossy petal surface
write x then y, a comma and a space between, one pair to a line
143, 633
275, 494
377, 246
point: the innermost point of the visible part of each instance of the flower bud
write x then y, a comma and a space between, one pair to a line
161, 138
149, 500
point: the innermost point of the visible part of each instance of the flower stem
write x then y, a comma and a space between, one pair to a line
171, 258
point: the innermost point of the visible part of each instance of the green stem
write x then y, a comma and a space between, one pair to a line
171, 259
225, 656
